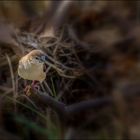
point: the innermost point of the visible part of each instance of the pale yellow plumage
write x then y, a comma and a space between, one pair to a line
31, 68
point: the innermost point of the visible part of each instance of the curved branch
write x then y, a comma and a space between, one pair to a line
66, 112
88, 104
47, 100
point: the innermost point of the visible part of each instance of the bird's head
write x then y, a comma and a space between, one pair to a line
37, 55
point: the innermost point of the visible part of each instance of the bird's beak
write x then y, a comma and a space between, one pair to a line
45, 58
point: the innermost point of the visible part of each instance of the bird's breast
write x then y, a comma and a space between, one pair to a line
32, 71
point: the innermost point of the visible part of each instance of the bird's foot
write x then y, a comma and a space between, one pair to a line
30, 88
36, 87
27, 90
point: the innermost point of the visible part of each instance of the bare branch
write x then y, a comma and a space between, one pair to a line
65, 112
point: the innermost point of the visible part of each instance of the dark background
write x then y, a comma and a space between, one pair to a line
100, 41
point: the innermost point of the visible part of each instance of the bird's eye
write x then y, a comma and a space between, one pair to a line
39, 59
36, 58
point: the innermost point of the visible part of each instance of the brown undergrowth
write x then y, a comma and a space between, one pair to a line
92, 84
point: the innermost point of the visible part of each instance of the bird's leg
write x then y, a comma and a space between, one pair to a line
34, 85
27, 90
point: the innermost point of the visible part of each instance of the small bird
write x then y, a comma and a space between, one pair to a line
32, 66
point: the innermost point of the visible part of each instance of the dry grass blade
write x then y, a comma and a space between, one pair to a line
12, 76
4, 63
